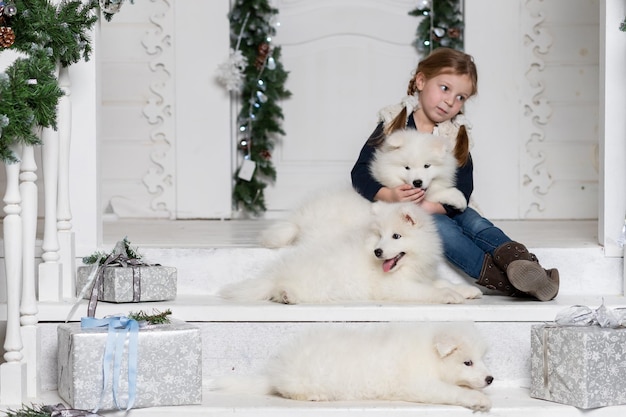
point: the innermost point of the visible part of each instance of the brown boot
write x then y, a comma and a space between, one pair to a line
525, 273
494, 278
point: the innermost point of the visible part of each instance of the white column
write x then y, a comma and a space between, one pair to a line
612, 191
13, 371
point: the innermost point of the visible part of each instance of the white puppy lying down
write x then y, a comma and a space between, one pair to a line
436, 363
392, 256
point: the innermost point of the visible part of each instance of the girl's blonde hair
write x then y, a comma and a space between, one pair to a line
441, 61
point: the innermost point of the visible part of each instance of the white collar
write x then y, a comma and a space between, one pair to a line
448, 129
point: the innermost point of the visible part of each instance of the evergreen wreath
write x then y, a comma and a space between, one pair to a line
254, 72
442, 25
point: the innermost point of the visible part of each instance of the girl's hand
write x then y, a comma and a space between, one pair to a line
432, 208
401, 193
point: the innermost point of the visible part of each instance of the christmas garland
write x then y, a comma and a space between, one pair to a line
254, 72
442, 25
29, 90
45, 34
28, 97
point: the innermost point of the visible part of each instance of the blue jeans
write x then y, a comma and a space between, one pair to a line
466, 238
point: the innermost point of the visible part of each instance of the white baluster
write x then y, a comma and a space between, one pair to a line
64, 214
50, 278
28, 308
13, 371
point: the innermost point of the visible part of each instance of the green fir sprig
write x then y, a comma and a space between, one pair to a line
29, 411
156, 318
47, 411
127, 251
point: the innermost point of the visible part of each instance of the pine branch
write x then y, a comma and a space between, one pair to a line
129, 252
155, 318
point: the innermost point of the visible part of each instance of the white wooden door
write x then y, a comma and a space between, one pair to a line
346, 59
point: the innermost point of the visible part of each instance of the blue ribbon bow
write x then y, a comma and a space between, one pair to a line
119, 329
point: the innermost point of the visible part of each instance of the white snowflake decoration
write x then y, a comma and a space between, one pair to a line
230, 73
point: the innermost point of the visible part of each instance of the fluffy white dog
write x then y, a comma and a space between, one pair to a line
421, 160
405, 157
436, 363
392, 256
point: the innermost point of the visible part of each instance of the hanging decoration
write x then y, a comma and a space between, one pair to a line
442, 25
47, 35
111, 7
254, 73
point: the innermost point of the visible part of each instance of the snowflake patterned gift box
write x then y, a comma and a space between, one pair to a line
168, 367
129, 284
580, 366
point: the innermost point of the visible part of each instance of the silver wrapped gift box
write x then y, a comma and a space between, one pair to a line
131, 284
169, 367
583, 366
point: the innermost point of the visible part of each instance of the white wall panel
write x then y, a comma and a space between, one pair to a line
535, 119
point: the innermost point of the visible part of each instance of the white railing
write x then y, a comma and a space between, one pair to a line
55, 278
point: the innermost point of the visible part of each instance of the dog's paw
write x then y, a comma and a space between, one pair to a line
450, 296
476, 401
450, 196
279, 235
469, 292
459, 203
283, 296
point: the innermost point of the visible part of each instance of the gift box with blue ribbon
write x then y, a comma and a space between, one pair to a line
119, 363
580, 358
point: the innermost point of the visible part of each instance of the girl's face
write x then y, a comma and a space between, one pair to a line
442, 97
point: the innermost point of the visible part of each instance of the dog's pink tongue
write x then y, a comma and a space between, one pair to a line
388, 264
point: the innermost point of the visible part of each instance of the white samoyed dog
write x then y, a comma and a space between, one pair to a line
392, 256
435, 363
421, 160
405, 157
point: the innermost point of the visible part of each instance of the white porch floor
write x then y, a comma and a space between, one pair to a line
243, 233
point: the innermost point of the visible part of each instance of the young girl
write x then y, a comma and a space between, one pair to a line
442, 83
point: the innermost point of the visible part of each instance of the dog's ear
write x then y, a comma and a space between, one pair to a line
409, 215
445, 345
441, 146
395, 141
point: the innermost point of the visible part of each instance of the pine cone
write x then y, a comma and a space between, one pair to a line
263, 52
7, 37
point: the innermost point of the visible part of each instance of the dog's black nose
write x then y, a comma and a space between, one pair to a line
417, 183
489, 380
378, 252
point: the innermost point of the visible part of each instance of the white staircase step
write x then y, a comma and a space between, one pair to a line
507, 402
583, 270
208, 308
